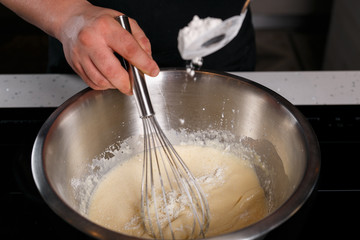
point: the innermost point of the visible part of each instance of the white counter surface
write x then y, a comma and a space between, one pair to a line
300, 88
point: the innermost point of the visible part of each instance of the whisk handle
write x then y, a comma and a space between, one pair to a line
137, 79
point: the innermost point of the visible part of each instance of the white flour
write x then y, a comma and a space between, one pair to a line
202, 37
192, 34
195, 29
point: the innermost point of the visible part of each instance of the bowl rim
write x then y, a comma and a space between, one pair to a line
253, 231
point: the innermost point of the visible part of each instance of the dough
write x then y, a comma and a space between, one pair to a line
230, 184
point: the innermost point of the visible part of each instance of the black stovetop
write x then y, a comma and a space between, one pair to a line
331, 212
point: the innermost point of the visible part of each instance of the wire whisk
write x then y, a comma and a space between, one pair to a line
173, 205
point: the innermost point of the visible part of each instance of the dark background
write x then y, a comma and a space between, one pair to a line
290, 36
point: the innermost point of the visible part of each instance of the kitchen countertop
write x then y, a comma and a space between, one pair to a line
337, 129
300, 88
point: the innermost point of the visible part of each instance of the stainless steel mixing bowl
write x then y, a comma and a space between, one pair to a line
90, 121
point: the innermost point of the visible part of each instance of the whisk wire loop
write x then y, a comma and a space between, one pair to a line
184, 179
166, 179
144, 186
168, 188
158, 157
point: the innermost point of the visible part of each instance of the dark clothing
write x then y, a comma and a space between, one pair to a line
161, 21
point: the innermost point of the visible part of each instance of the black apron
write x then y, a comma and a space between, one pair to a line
161, 21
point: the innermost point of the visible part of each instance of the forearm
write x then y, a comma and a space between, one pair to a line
48, 15
90, 35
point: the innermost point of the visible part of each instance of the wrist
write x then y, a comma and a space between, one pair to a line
61, 20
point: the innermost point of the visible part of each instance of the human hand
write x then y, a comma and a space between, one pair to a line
91, 35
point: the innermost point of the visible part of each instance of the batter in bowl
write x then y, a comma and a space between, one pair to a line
230, 184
